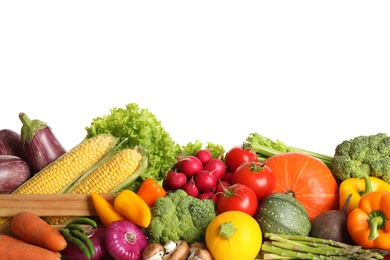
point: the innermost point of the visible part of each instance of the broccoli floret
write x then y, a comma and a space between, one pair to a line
363, 155
179, 216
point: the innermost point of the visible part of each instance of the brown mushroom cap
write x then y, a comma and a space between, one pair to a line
152, 250
203, 253
180, 253
197, 245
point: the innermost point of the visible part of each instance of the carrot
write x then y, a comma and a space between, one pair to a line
34, 230
15, 249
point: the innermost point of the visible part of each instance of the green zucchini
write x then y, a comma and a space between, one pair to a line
280, 213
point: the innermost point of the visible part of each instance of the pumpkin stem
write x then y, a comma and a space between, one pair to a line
227, 230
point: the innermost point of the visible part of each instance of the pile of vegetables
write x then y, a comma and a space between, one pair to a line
259, 200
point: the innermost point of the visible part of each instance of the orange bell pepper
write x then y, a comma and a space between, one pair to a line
358, 187
369, 223
150, 190
133, 207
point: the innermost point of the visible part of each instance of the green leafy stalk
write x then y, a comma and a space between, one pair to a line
265, 147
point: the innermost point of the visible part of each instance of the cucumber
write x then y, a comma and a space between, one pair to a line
280, 213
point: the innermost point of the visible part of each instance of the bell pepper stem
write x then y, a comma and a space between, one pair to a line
375, 222
368, 184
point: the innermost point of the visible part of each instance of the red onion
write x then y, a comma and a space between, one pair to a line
72, 252
125, 240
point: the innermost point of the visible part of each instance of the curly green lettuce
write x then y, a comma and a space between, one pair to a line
135, 127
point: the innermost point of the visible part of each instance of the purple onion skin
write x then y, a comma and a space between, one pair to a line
13, 172
40, 145
125, 240
11, 143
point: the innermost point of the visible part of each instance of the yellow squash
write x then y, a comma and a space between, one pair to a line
233, 235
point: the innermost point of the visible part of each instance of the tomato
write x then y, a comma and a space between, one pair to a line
257, 176
237, 197
233, 235
238, 155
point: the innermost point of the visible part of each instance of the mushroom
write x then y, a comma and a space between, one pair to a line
176, 250
202, 254
197, 245
198, 251
153, 251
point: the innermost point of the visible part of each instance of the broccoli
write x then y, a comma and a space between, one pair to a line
363, 155
179, 216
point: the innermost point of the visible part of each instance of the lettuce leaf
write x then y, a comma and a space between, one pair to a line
135, 127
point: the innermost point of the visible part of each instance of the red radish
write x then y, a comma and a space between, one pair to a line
190, 165
174, 180
209, 195
217, 166
228, 177
204, 155
205, 180
190, 188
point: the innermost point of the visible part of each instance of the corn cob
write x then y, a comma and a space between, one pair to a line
67, 168
105, 178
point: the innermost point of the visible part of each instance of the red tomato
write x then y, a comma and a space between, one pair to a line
257, 176
237, 197
238, 155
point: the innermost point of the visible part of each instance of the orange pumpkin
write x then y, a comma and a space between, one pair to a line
307, 179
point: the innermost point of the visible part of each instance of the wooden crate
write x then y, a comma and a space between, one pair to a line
47, 205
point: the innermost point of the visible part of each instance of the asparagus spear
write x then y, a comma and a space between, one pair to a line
285, 246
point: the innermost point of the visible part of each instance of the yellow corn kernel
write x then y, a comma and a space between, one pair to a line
106, 177
67, 168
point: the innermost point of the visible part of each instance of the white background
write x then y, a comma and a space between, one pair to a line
309, 73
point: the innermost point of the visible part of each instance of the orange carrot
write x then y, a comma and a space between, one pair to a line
15, 249
34, 230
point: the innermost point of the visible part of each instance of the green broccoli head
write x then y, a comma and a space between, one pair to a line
179, 216
363, 155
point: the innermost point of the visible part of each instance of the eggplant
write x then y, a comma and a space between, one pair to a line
40, 145
11, 143
14, 171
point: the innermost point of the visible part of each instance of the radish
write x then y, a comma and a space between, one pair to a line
190, 165
217, 166
209, 195
205, 180
204, 155
190, 188
174, 180
228, 177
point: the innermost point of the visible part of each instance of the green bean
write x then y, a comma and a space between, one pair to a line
84, 238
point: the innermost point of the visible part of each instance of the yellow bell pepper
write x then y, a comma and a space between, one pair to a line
358, 187
105, 210
133, 207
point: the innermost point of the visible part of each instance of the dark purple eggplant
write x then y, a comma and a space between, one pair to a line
11, 143
14, 171
40, 144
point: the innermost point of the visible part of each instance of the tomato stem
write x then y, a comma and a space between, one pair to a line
227, 230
